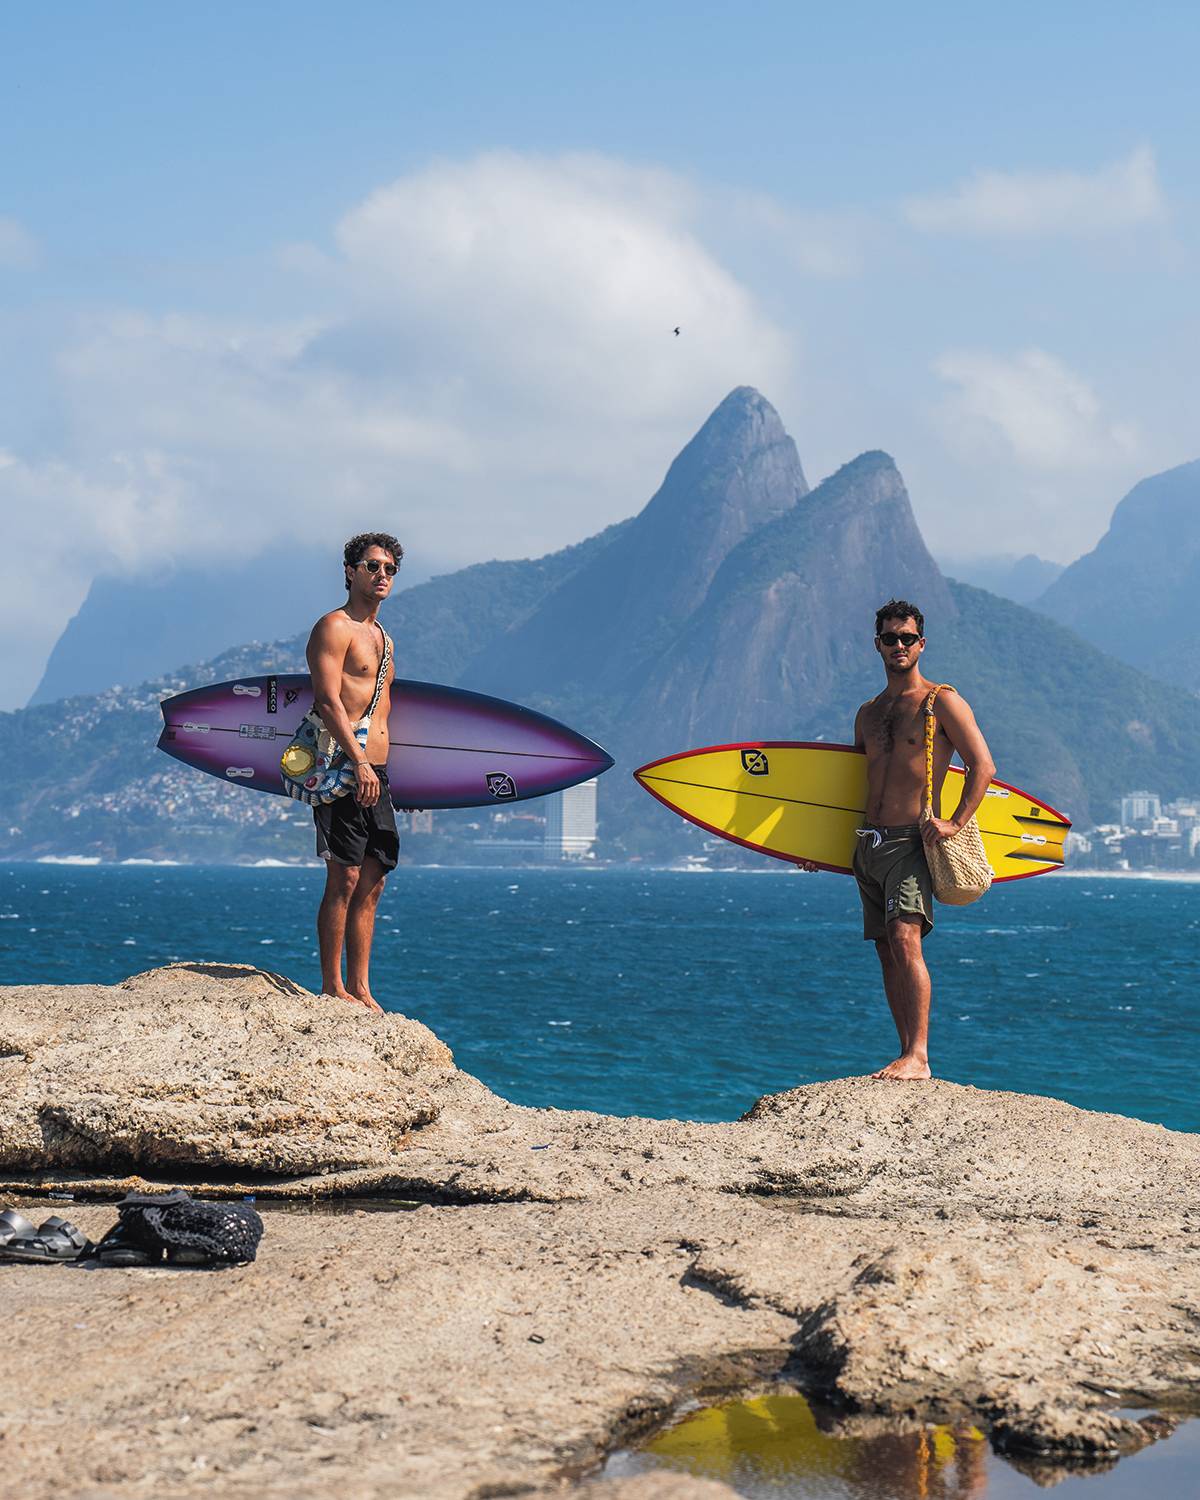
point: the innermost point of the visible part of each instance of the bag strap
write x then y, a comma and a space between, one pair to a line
930, 731
385, 661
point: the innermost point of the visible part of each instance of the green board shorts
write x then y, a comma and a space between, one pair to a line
893, 878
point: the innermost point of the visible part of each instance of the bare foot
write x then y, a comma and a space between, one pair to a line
908, 1067
341, 994
365, 997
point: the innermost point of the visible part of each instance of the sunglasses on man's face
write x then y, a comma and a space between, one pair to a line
373, 565
899, 638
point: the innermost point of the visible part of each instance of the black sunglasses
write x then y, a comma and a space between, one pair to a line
373, 565
899, 638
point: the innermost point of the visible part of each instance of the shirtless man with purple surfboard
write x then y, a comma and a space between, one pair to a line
356, 834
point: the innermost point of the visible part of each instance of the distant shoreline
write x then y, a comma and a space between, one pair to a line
773, 867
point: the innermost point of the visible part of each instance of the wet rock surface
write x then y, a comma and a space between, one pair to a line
568, 1278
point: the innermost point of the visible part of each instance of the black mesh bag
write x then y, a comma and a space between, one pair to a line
190, 1232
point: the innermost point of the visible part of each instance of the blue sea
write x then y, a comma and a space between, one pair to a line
685, 994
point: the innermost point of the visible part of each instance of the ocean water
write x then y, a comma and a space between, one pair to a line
680, 994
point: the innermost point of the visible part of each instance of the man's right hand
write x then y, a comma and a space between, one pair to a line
366, 785
808, 867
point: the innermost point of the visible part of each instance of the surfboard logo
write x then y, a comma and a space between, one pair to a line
501, 785
235, 771
755, 762
290, 696
243, 690
272, 695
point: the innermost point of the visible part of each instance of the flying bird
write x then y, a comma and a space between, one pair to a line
677, 333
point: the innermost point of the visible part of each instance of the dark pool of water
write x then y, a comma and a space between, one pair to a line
777, 1448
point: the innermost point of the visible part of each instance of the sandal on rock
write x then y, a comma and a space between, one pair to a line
131, 1241
123, 1245
13, 1224
56, 1240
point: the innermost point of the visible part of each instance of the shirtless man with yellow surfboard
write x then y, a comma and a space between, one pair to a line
856, 810
889, 861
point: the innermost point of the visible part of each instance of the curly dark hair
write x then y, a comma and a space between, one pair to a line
358, 546
899, 609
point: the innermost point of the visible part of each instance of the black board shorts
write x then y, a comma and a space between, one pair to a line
348, 833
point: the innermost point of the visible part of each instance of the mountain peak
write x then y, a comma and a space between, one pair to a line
739, 472
1134, 594
781, 646
1159, 505
744, 423
873, 461
860, 516
742, 403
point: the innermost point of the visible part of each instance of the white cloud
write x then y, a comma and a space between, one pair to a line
1030, 408
498, 375
822, 245
556, 281
1124, 194
18, 248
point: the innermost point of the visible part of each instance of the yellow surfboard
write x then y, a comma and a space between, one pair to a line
803, 801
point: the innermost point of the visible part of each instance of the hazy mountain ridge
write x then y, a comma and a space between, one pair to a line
768, 635
1064, 720
131, 630
1135, 593
1021, 579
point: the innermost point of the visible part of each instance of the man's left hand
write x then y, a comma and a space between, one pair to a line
934, 830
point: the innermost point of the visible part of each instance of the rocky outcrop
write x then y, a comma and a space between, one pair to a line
201, 1067
208, 1066
555, 1281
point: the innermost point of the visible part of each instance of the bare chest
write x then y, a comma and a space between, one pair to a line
894, 728
364, 656
361, 665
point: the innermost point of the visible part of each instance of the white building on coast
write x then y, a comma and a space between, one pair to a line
571, 822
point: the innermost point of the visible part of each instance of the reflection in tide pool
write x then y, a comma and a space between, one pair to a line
772, 1448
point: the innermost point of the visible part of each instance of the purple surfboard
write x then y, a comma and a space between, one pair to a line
449, 747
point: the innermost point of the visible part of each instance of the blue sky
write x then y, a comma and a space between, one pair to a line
268, 269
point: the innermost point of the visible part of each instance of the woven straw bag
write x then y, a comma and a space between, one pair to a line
959, 866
